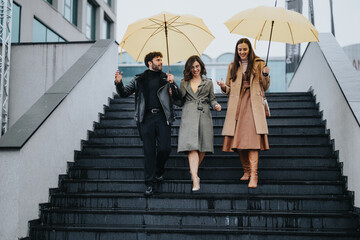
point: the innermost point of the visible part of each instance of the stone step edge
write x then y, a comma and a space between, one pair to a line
200, 230
200, 212
230, 181
207, 168
80, 155
203, 196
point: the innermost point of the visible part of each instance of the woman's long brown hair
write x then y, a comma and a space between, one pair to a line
237, 59
187, 70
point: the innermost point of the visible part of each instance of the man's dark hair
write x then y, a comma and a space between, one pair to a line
151, 56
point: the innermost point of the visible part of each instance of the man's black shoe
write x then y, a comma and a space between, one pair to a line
159, 179
149, 191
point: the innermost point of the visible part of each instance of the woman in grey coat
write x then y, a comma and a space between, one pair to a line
196, 129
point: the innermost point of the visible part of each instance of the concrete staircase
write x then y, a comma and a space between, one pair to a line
301, 193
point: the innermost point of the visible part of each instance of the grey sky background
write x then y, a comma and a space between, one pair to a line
215, 13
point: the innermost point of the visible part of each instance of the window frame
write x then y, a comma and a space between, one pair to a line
108, 2
107, 27
12, 24
73, 11
92, 25
47, 29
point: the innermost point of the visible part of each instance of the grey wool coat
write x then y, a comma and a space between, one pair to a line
196, 128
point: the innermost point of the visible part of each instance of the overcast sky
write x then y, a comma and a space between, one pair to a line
216, 12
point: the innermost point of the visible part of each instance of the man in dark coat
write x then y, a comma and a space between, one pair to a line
153, 114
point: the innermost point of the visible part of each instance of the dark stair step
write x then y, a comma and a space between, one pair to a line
115, 112
209, 173
163, 232
279, 95
203, 201
218, 139
241, 218
277, 106
207, 186
131, 129
273, 104
224, 98
121, 149
210, 160
285, 96
274, 120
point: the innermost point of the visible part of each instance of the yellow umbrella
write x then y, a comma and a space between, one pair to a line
273, 23
176, 36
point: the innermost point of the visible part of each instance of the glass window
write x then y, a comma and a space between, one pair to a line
125, 59
205, 58
67, 9
70, 11
108, 2
90, 21
51, 36
15, 32
225, 58
50, 1
41, 33
106, 29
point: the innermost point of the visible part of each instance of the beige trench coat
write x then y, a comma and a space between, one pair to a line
233, 89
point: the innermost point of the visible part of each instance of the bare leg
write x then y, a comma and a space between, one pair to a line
201, 157
194, 165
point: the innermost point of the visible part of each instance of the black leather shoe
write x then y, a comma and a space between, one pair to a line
149, 191
159, 179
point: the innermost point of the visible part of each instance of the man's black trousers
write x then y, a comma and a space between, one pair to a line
156, 136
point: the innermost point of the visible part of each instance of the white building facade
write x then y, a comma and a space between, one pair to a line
63, 20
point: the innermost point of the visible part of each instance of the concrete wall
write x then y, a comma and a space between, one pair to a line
353, 53
34, 69
27, 174
336, 85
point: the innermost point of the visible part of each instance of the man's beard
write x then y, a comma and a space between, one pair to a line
157, 68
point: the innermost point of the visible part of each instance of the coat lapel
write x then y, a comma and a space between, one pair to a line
189, 89
253, 75
239, 73
201, 86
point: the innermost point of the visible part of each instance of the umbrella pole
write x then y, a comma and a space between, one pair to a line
272, 25
267, 56
167, 46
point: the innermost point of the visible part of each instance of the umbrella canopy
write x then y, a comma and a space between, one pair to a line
176, 36
286, 26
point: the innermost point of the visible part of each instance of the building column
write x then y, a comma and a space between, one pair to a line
99, 23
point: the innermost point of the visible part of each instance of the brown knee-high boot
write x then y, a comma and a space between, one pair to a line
244, 159
253, 159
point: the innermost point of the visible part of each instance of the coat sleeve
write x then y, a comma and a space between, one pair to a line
127, 90
212, 97
265, 81
176, 95
227, 81
179, 100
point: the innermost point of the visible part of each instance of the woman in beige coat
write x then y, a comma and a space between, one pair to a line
245, 128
